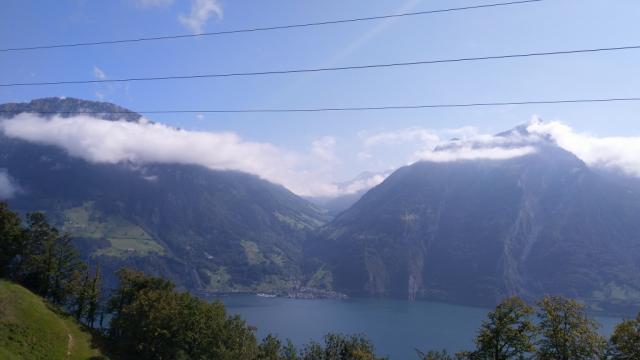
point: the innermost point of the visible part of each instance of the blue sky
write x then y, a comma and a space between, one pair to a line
545, 26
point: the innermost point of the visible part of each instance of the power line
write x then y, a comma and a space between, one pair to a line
326, 69
336, 109
269, 28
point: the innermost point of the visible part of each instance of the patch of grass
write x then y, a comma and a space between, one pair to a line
322, 279
31, 329
122, 247
219, 280
252, 252
125, 238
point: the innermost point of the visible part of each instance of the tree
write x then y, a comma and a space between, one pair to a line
67, 267
340, 347
153, 321
625, 341
35, 267
272, 348
47, 262
434, 355
11, 239
93, 297
80, 300
507, 333
567, 332
131, 283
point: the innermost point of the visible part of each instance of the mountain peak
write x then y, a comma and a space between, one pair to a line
68, 107
522, 130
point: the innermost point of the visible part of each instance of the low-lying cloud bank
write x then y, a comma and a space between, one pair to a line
470, 153
310, 173
103, 141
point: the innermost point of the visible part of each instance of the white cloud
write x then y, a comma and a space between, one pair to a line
402, 136
99, 73
201, 11
471, 153
434, 145
363, 182
470, 144
8, 187
103, 141
611, 152
323, 148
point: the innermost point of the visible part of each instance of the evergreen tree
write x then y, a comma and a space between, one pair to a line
625, 341
36, 267
48, 263
80, 300
567, 332
11, 239
93, 297
66, 268
507, 333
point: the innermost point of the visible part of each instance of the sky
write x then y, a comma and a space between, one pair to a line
334, 147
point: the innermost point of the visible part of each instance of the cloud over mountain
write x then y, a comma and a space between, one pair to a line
618, 152
104, 141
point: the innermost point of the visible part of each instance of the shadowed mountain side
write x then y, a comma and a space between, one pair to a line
204, 229
476, 231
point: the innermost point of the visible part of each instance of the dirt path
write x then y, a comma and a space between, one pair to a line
69, 346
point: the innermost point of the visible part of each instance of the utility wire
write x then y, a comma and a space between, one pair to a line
327, 69
269, 28
336, 109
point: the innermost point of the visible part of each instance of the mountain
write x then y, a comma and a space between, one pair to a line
204, 229
476, 230
30, 329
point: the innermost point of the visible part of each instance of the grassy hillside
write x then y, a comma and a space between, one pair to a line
31, 329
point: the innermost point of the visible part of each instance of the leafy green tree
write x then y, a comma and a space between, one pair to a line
567, 333
340, 347
131, 283
36, 266
434, 355
47, 262
11, 239
153, 321
507, 333
93, 297
625, 340
67, 266
271, 348
80, 300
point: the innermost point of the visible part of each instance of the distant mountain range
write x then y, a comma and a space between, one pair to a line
466, 230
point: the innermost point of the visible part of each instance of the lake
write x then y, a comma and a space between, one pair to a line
396, 327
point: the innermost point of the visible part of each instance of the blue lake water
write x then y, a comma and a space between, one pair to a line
396, 327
